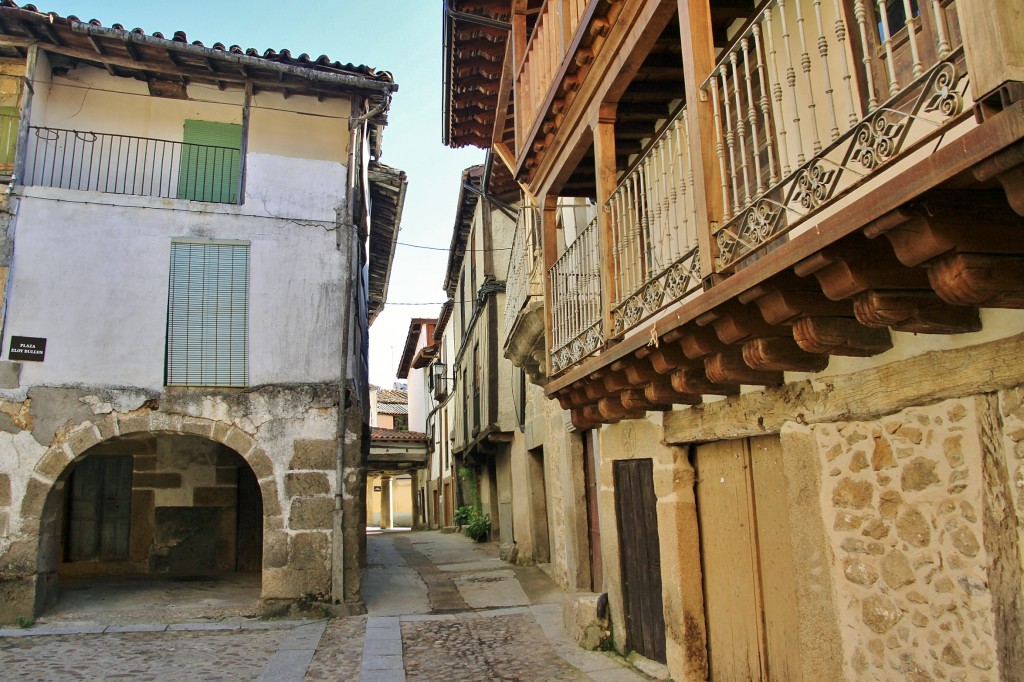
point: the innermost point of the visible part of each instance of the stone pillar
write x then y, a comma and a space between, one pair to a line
385, 502
414, 490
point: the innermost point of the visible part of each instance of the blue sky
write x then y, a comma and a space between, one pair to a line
400, 36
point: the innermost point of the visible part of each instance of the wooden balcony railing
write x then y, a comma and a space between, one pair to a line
815, 96
518, 283
653, 225
577, 329
538, 67
122, 164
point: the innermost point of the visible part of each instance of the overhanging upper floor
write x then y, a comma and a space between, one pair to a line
775, 183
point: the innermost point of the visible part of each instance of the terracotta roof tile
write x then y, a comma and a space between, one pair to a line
393, 435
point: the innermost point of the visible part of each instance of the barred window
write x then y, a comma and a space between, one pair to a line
208, 314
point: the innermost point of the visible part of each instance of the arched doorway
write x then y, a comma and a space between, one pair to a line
173, 505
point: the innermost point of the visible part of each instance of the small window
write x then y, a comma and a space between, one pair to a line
210, 162
896, 17
208, 314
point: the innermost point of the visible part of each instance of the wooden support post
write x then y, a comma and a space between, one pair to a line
604, 160
698, 63
549, 247
993, 42
25, 113
518, 55
246, 108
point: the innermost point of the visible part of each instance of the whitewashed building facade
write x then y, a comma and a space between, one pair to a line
186, 303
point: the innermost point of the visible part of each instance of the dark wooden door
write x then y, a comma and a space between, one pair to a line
640, 556
99, 509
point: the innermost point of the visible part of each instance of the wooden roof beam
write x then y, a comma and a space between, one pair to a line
96, 46
133, 52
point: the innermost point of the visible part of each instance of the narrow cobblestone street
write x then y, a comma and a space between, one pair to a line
439, 608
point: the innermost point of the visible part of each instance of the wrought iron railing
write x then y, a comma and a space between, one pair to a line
577, 329
653, 222
806, 106
123, 164
548, 47
518, 283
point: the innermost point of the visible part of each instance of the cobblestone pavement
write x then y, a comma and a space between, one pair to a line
167, 655
441, 608
511, 647
340, 652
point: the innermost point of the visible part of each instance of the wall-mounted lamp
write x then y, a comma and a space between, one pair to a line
438, 380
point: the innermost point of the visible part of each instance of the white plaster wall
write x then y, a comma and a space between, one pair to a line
90, 99
92, 280
300, 189
297, 148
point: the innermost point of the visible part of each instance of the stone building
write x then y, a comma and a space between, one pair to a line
186, 303
767, 285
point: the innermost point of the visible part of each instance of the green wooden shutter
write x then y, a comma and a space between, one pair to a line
210, 162
208, 315
8, 137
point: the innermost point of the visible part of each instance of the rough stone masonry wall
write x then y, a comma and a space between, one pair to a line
905, 498
287, 434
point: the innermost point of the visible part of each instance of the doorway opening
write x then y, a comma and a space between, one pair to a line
146, 512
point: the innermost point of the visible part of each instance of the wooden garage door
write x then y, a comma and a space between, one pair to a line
99, 509
747, 561
640, 556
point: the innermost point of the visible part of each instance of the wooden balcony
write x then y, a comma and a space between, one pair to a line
864, 186
577, 325
814, 98
778, 183
550, 43
653, 223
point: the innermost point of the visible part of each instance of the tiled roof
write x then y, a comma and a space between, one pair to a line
133, 52
393, 395
387, 201
392, 408
393, 435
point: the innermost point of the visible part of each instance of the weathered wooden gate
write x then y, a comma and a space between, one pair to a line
747, 561
99, 509
640, 557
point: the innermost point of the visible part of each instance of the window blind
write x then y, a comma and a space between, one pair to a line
208, 314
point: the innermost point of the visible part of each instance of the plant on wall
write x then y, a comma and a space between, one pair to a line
478, 524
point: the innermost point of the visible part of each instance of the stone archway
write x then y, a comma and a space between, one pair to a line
42, 505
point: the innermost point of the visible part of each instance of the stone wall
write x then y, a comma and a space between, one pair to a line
904, 498
286, 434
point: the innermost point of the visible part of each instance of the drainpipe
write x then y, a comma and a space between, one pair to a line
347, 235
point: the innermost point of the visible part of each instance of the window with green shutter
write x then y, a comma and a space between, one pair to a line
210, 162
8, 138
208, 314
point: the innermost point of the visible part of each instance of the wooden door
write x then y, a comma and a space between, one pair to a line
435, 520
747, 564
892, 25
731, 582
99, 509
539, 507
640, 557
449, 510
